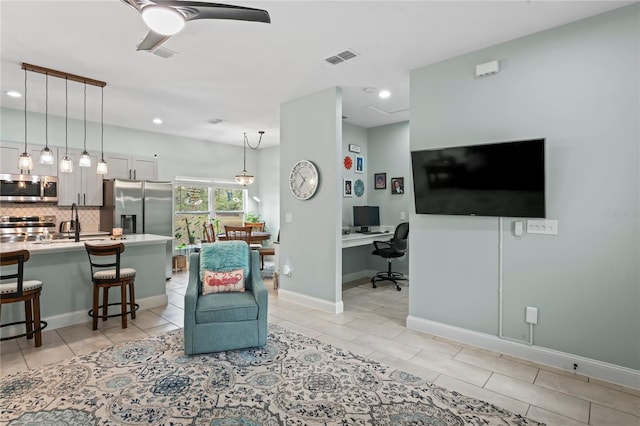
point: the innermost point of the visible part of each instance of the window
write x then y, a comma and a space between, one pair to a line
197, 205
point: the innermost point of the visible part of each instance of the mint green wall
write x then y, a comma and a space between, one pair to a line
311, 129
577, 86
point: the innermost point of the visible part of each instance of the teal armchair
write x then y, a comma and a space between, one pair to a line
225, 321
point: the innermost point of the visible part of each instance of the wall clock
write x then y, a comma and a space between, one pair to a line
358, 188
348, 162
303, 179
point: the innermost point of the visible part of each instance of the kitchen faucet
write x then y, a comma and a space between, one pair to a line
76, 222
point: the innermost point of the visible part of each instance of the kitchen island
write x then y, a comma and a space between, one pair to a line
67, 290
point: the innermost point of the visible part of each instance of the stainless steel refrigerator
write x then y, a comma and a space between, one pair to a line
139, 207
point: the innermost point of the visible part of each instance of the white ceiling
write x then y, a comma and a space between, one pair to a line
241, 72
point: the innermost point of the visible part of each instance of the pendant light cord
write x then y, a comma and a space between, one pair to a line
46, 113
25, 111
85, 118
66, 117
102, 123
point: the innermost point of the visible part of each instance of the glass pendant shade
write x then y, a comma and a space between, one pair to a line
25, 162
46, 156
245, 178
85, 160
163, 20
66, 165
102, 167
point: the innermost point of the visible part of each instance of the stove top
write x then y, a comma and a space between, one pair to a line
25, 228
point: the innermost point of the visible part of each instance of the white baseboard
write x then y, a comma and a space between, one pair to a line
562, 360
79, 317
312, 302
365, 273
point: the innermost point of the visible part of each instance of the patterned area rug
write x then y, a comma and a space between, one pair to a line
294, 380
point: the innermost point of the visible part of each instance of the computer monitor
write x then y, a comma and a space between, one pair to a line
366, 216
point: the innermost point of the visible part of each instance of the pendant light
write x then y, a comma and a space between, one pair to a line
85, 160
66, 165
102, 165
244, 178
25, 163
46, 155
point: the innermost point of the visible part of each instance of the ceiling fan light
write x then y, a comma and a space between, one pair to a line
245, 178
163, 20
102, 167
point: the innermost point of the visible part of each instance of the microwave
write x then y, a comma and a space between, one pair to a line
28, 188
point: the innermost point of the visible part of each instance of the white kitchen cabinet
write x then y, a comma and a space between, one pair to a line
131, 167
83, 186
10, 152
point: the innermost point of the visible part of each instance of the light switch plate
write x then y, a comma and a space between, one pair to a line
542, 226
288, 217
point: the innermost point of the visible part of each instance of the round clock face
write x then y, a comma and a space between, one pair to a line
303, 180
358, 188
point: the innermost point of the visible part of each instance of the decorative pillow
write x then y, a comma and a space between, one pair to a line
224, 256
223, 281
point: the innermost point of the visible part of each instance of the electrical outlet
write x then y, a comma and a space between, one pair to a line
288, 217
403, 216
542, 226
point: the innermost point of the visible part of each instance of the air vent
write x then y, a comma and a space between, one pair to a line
163, 52
341, 57
215, 121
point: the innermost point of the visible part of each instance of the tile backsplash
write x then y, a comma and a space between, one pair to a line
89, 216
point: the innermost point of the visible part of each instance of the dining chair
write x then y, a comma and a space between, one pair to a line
209, 235
255, 227
238, 233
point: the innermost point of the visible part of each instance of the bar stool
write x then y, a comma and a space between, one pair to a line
106, 273
22, 291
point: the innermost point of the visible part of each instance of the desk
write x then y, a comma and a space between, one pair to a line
355, 239
358, 239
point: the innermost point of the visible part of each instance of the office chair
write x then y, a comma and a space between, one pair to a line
396, 247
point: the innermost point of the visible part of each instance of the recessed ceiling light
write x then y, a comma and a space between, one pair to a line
384, 94
13, 94
157, 121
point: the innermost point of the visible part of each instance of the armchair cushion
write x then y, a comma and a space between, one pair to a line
222, 281
227, 307
224, 256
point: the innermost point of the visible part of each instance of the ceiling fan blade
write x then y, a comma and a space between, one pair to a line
151, 41
217, 11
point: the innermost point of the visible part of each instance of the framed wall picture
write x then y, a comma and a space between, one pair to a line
380, 181
347, 188
359, 164
397, 185
354, 148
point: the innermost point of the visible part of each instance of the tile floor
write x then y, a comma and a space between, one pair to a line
373, 326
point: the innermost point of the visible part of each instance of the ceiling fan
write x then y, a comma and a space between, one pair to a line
167, 17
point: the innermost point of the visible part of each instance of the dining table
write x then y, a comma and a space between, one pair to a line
256, 236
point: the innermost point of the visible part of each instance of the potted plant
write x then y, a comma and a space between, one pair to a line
192, 238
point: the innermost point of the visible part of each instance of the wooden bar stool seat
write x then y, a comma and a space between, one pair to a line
22, 291
106, 273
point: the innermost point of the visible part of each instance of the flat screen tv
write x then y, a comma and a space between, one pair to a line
366, 216
499, 179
